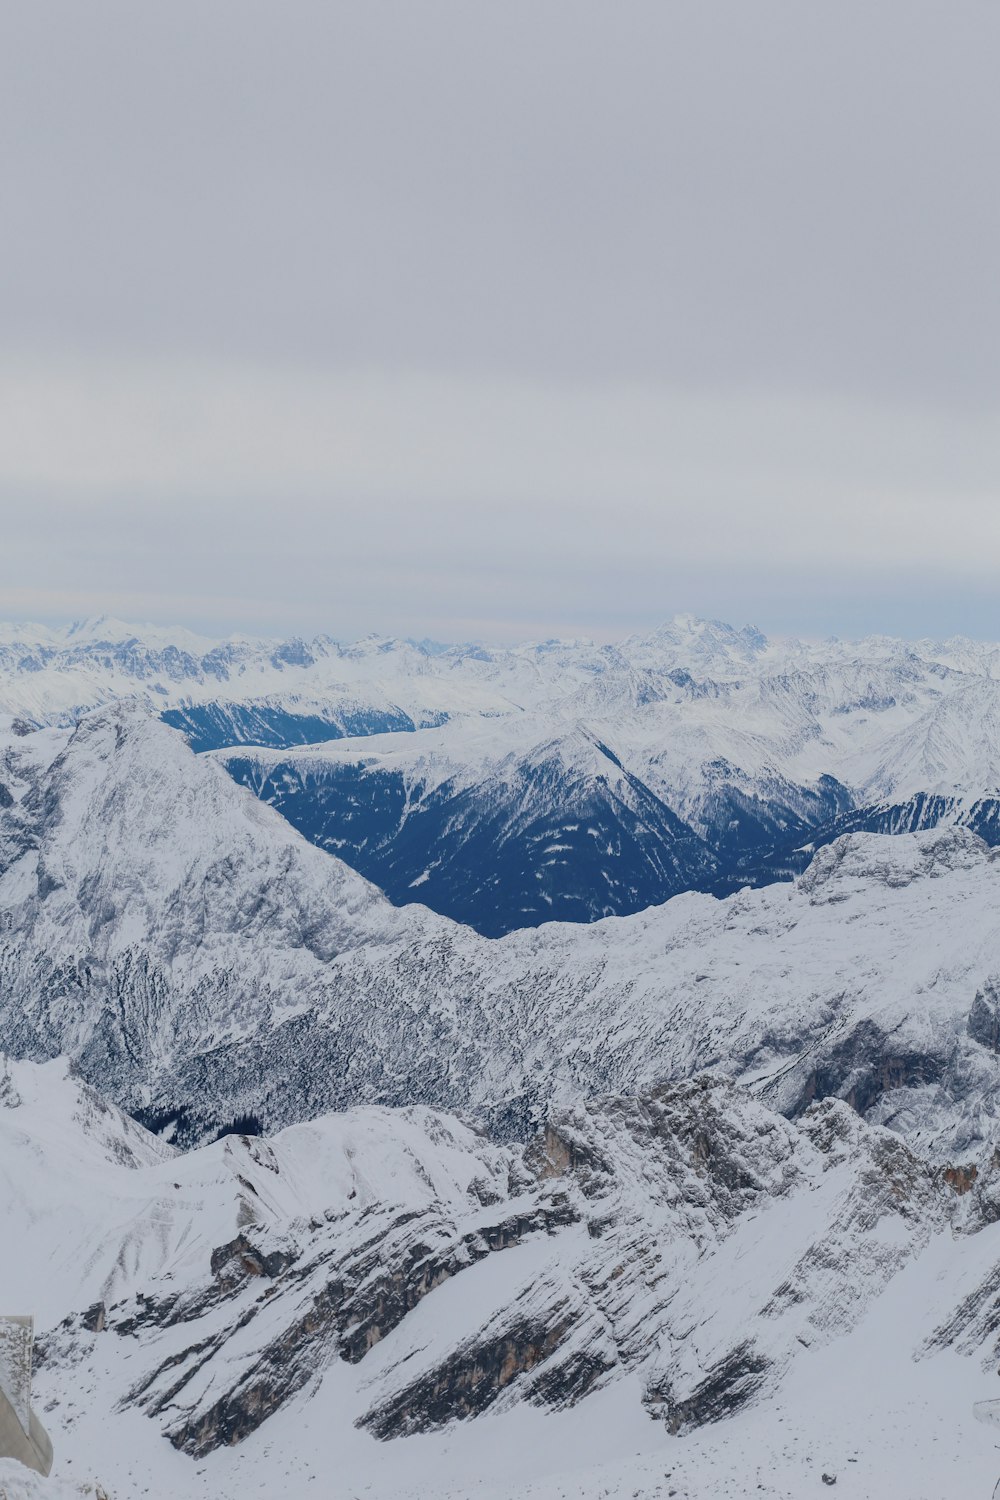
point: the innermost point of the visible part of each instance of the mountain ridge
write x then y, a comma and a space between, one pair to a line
740, 754
205, 964
378, 1294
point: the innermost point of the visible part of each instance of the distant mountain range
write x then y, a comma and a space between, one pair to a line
563, 780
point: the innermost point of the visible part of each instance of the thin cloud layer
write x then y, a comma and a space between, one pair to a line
501, 320
265, 497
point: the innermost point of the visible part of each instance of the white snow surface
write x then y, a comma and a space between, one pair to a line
828, 1245
19, 1483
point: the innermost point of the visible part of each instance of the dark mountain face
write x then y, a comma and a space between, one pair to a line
214, 726
542, 840
744, 821
542, 843
917, 814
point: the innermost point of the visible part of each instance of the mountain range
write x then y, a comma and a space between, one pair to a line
205, 965
602, 1188
558, 781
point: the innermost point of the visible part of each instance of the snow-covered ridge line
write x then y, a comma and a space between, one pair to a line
60, 671
203, 964
587, 780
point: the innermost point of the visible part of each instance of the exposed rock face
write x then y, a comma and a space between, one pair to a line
690, 1237
984, 1018
350, 1286
482, 1371
862, 1067
961, 1179
235, 1262
838, 870
726, 1387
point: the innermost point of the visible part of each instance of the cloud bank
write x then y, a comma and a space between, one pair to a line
501, 320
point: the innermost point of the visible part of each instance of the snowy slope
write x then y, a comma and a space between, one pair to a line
19, 1483
671, 1293
204, 964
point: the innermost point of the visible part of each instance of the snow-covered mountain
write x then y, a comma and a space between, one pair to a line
605, 1207
774, 755
512, 786
205, 964
388, 1302
510, 836
239, 690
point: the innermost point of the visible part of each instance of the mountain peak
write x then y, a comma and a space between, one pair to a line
859, 861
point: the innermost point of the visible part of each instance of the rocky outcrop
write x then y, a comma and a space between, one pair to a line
456, 1277
983, 1024
725, 1388
548, 1356
348, 1284
860, 1068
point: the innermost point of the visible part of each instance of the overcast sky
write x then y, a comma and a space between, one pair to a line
501, 319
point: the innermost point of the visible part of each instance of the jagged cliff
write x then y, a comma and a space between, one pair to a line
689, 1254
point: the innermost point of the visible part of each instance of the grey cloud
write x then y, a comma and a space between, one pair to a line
509, 319
232, 495
780, 192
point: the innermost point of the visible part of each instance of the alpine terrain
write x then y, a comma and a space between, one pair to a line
556, 1071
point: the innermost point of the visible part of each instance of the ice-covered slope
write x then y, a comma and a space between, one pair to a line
655, 1293
204, 964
